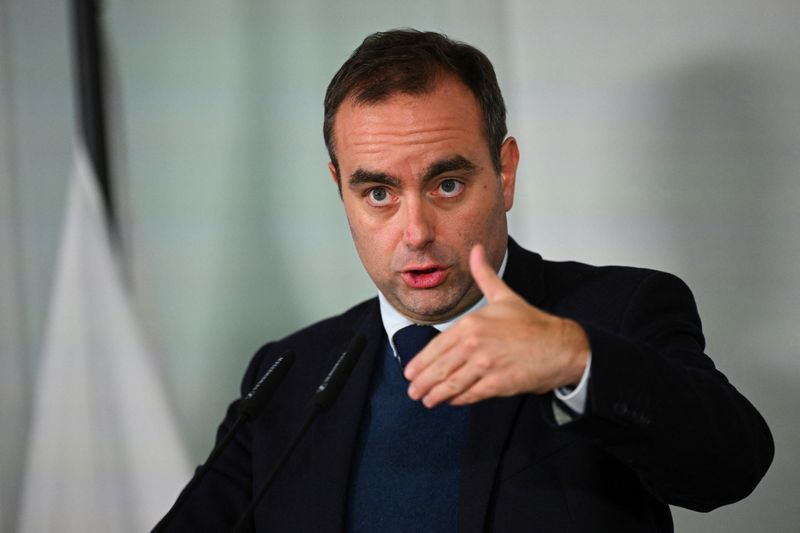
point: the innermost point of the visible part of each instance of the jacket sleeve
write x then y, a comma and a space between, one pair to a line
658, 404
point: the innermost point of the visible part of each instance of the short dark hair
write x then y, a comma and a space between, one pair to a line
408, 61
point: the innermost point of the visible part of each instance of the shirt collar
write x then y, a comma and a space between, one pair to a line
394, 321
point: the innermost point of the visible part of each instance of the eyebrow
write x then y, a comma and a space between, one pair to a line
451, 164
361, 176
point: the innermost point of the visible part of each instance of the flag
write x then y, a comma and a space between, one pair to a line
104, 452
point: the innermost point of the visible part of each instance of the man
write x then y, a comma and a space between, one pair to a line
556, 397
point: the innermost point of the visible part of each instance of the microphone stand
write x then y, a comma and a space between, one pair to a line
323, 398
250, 408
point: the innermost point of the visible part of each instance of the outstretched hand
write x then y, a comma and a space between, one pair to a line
507, 347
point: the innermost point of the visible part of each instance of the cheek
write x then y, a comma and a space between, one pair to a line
372, 241
484, 222
484, 211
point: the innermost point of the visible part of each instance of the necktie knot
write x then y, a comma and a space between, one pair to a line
410, 340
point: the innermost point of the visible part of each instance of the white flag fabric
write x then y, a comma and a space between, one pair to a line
104, 453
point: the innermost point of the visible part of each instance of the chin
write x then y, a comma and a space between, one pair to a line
437, 311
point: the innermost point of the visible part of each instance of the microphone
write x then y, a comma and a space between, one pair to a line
250, 407
329, 389
255, 401
323, 398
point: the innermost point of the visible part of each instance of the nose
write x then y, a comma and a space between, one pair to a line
419, 224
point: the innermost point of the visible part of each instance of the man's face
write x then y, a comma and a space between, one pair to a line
419, 190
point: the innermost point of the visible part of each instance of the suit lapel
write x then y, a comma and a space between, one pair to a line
491, 421
335, 432
490, 425
525, 273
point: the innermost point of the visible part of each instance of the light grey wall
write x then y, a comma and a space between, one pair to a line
35, 95
13, 372
661, 134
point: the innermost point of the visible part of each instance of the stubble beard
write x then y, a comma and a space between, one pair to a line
437, 305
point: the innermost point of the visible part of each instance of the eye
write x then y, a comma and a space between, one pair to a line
449, 188
379, 197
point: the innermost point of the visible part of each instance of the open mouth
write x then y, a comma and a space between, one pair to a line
424, 278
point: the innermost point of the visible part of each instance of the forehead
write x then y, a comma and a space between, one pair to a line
445, 119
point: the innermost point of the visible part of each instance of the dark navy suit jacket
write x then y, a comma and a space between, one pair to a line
662, 425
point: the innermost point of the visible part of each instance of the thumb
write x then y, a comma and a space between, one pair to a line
484, 275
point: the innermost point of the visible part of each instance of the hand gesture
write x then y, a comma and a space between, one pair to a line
508, 347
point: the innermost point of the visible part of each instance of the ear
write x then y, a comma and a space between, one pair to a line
335, 177
509, 159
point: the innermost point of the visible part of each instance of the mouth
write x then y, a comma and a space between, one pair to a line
425, 277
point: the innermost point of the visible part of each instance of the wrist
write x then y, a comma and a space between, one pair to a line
576, 351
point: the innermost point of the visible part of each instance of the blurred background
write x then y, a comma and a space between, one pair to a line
663, 134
